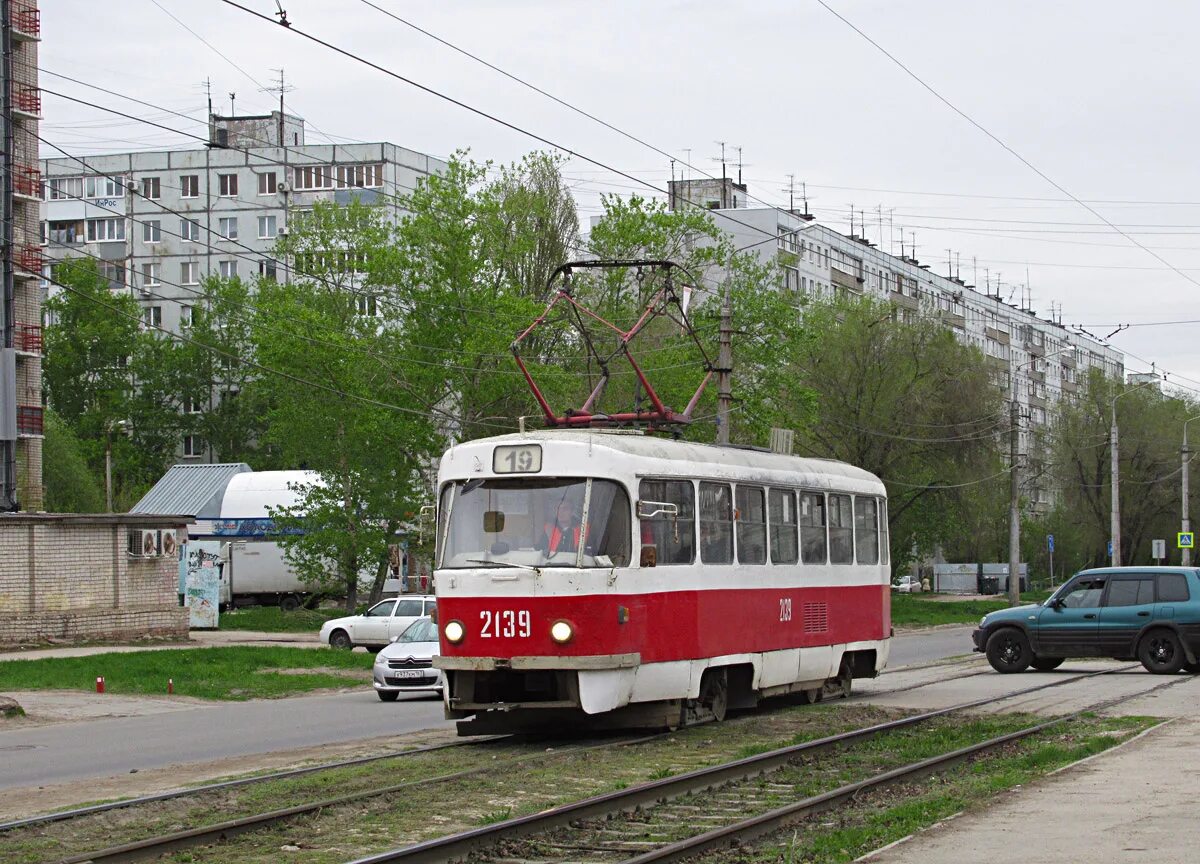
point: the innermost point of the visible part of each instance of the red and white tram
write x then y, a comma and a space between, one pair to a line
602, 579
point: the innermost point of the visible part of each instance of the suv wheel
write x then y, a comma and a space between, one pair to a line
1047, 664
1008, 650
1161, 653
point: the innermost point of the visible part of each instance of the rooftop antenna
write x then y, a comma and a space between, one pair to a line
688, 163
912, 238
740, 165
280, 87
974, 271
949, 264
852, 221
232, 100
791, 190
957, 267
804, 196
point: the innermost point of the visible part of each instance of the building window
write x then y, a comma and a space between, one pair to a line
359, 176
313, 176
151, 188
151, 231
191, 185
193, 445
227, 226
191, 406
150, 274
103, 187
228, 269
104, 230
189, 230
114, 272
367, 305
227, 185
189, 273
69, 231
266, 228
185, 316
268, 268
266, 183
61, 188
152, 316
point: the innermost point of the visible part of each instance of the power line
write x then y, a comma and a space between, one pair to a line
1001, 143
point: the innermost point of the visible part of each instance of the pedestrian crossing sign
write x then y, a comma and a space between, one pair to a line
1186, 539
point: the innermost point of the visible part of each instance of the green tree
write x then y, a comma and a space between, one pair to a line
913, 405
71, 486
341, 407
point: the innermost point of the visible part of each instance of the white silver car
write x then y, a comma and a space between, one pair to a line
380, 624
406, 666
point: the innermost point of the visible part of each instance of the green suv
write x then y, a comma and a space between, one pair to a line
1151, 614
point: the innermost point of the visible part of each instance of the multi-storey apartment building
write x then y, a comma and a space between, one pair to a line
158, 223
1037, 361
20, 305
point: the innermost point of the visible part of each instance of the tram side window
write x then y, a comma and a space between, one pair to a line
812, 527
716, 524
885, 549
782, 510
608, 533
751, 526
866, 531
841, 530
662, 530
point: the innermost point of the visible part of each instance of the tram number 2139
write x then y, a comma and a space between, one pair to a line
505, 624
785, 608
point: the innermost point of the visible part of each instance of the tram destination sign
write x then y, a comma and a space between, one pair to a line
517, 459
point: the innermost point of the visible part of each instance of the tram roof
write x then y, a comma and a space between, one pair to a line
706, 459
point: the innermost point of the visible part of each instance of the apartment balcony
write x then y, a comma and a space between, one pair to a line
29, 259
1070, 387
953, 319
30, 421
1068, 360
27, 101
27, 338
1037, 349
904, 300
996, 335
27, 183
1035, 375
26, 21
845, 280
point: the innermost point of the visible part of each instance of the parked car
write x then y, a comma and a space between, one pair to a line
406, 665
376, 627
907, 584
1151, 614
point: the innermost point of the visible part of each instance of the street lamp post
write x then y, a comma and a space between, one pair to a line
120, 426
1115, 525
1185, 523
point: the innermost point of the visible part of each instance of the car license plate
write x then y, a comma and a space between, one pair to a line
409, 673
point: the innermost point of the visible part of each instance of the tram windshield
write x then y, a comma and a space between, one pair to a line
534, 523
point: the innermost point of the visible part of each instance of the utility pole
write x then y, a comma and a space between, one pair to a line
1115, 515
1014, 503
725, 367
1185, 523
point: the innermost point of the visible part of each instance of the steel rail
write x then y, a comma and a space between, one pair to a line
458, 846
63, 815
781, 817
152, 847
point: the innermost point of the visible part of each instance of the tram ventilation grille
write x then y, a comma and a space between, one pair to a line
816, 618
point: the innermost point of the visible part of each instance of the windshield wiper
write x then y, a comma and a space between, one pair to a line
504, 564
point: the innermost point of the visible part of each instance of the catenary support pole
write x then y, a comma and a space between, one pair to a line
1014, 506
725, 368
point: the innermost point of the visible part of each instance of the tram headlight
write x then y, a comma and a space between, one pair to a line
454, 631
562, 632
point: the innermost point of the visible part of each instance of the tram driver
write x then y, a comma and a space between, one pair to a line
561, 534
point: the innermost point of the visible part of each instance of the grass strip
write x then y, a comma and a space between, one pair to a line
235, 672
917, 610
272, 619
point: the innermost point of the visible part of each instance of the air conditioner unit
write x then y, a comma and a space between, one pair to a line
168, 545
284, 187
151, 543
284, 231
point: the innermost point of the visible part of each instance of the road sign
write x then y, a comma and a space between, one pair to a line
1109, 548
1158, 549
1049, 542
1187, 540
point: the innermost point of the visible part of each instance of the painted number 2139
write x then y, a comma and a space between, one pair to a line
785, 608
506, 624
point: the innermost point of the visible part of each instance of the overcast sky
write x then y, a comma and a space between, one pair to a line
1100, 96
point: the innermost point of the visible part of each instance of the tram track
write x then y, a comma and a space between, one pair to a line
589, 818
456, 846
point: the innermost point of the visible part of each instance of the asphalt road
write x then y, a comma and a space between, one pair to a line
73, 751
